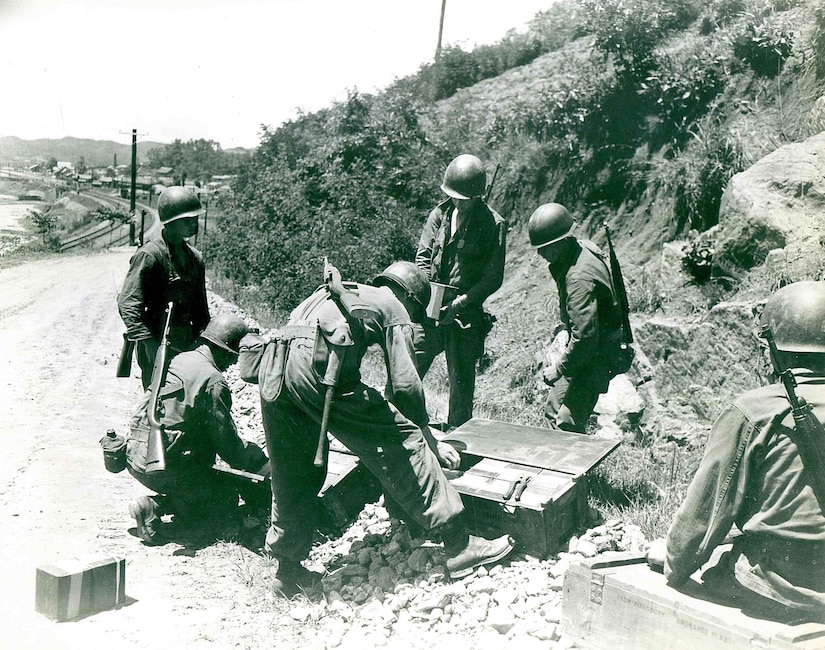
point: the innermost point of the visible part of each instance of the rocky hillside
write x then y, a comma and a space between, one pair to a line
695, 287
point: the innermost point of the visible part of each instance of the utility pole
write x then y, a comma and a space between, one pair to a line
134, 172
440, 30
133, 188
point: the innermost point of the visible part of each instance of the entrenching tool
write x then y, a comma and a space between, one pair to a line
354, 310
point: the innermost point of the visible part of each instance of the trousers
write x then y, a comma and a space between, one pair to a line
461, 348
390, 446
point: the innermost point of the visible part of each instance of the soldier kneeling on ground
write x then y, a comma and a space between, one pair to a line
390, 433
196, 407
756, 485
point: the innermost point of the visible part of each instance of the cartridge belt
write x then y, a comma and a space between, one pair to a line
797, 551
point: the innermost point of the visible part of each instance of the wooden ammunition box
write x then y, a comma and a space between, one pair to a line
348, 487
541, 518
78, 587
619, 603
553, 504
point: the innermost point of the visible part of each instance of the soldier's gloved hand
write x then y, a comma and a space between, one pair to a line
449, 313
551, 375
448, 456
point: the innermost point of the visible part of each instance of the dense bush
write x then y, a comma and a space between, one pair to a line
679, 90
764, 47
631, 29
353, 182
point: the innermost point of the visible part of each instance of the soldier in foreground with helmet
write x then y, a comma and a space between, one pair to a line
589, 312
196, 406
754, 480
389, 432
166, 270
462, 245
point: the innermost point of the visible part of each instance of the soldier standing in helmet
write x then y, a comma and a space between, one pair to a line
390, 432
162, 271
589, 312
196, 406
462, 246
753, 478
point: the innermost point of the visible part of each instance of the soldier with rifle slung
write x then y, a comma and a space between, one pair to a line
462, 248
761, 482
165, 270
309, 379
191, 402
591, 306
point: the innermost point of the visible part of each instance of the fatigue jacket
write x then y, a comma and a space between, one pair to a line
587, 308
197, 414
391, 330
475, 267
751, 476
153, 281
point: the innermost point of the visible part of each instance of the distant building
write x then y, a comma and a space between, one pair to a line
164, 176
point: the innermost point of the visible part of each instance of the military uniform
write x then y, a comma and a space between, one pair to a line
198, 423
385, 433
751, 476
159, 274
591, 316
470, 258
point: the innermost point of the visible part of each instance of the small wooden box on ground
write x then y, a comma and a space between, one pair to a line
72, 589
619, 603
499, 457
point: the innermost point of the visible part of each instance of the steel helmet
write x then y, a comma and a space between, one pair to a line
226, 331
409, 277
796, 315
548, 224
464, 177
178, 203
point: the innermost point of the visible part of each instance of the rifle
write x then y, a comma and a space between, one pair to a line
124, 362
618, 286
155, 447
492, 182
810, 438
353, 309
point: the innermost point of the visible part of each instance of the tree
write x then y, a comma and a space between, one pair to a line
45, 223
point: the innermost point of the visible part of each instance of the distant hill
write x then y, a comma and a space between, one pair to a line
96, 153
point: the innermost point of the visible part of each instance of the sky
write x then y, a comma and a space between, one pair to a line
215, 69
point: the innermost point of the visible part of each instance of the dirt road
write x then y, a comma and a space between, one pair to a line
59, 339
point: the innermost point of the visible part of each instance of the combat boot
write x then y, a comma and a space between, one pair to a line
144, 510
465, 552
293, 578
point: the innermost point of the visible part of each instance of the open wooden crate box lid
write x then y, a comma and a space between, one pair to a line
571, 453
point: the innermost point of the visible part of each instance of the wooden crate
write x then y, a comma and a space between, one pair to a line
619, 603
541, 520
75, 588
